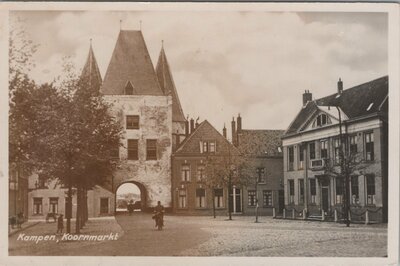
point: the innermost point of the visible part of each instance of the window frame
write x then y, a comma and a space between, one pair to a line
185, 173
133, 149
201, 201
219, 199
268, 198
369, 145
251, 198
151, 149
131, 123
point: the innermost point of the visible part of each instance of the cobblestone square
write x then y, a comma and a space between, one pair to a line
206, 236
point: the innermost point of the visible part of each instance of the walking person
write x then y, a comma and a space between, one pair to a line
60, 224
159, 215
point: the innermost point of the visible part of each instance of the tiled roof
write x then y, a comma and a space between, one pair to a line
131, 62
358, 101
205, 131
260, 142
168, 86
91, 70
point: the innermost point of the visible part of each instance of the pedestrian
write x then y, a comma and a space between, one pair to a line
159, 214
60, 224
20, 219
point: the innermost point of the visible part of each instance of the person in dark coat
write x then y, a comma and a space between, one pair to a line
60, 224
159, 211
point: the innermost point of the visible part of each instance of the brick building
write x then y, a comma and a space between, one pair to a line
190, 192
263, 151
312, 149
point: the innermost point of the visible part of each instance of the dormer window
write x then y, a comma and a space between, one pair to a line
321, 120
129, 88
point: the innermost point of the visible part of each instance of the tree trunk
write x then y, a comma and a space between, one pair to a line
78, 210
68, 214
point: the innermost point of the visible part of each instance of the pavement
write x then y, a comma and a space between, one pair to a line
206, 236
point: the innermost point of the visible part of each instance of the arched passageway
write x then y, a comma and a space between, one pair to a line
130, 195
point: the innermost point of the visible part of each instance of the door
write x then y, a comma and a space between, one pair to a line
238, 200
325, 198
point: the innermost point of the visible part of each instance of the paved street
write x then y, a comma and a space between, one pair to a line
205, 236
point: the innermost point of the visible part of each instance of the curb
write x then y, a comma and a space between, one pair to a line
22, 229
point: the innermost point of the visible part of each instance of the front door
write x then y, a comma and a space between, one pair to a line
325, 198
235, 197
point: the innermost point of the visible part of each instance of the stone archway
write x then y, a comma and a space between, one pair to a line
143, 194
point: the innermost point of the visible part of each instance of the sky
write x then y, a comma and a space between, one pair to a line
257, 64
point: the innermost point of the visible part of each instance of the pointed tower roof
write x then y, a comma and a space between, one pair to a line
168, 86
130, 62
91, 70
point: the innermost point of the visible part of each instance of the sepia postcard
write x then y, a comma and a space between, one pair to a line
193, 133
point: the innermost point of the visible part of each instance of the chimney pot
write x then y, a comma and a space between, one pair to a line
224, 131
239, 124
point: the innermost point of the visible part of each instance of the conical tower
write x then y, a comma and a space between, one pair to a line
91, 72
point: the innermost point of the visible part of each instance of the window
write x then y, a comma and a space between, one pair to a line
200, 198
324, 149
53, 205
42, 181
103, 205
185, 171
313, 190
208, 146
353, 144
301, 157
132, 122
252, 198
133, 149
219, 197
182, 198
301, 191
37, 206
336, 145
151, 149
339, 191
322, 120
267, 198
312, 151
291, 191
129, 88
211, 146
260, 175
200, 173
354, 190
291, 158
369, 146
370, 189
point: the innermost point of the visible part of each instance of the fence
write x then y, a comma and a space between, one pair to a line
335, 215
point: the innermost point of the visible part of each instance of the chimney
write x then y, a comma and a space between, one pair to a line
233, 131
197, 123
187, 127
224, 131
239, 124
191, 125
307, 97
340, 86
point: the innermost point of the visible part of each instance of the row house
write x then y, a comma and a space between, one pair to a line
263, 152
191, 193
351, 124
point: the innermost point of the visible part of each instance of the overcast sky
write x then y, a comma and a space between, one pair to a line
257, 64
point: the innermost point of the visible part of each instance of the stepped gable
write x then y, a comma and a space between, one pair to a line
131, 62
167, 84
